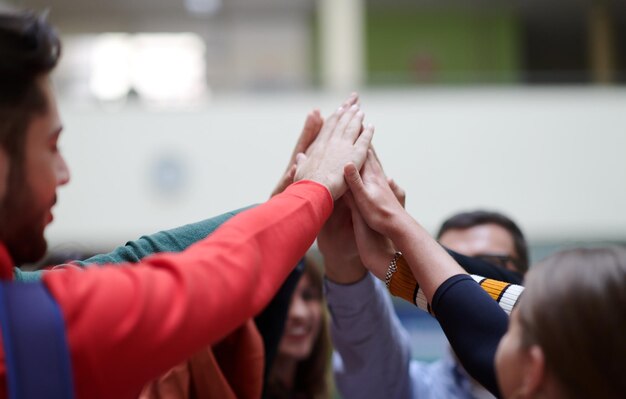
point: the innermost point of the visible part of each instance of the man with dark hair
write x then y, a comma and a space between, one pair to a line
373, 349
29, 51
110, 330
486, 235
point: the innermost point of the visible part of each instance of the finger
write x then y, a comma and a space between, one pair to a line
310, 130
358, 223
397, 191
292, 172
353, 179
352, 99
300, 157
319, 121
362, 144
348, 105
375, 154
330, 123
348, 199
345, 119
360, 226
355, 125
373, 166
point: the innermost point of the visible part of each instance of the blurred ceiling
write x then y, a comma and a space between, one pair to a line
76, 16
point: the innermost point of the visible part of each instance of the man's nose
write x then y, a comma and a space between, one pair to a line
63, 172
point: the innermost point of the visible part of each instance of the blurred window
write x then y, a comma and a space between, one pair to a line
157, 67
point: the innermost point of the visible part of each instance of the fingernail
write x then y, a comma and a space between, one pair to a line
355, 106
340, 109
360, 113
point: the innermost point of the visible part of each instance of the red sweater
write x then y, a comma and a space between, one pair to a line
127, 325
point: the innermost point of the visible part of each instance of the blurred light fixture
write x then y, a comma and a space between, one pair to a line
110, 67
159, 67
203, 7
169, 67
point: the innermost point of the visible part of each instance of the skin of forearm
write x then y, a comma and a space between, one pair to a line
342, 270
430, 264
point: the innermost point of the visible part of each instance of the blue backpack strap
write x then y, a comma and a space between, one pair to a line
36, 352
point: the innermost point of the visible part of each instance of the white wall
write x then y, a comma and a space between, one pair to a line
554, 159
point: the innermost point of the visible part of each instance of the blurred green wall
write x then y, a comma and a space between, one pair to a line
442, 46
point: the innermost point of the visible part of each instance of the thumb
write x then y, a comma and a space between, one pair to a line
349, 200
357, 219
300, 157
312, 127
353, 179
292, 172
397, 191
289, 176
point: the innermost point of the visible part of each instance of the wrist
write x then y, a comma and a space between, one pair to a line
402, 229
344, 270
322, 181
378, 264
392, 268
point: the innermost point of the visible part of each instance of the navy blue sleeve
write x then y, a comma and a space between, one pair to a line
474, 324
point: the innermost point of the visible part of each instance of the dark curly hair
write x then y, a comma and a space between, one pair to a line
29, 49
465, 220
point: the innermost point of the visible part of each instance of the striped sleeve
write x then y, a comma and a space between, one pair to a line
505, 294
404, 285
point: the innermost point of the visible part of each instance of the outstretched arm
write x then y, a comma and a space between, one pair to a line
126, 325
372, 347
467, 314
377, 214
174, 240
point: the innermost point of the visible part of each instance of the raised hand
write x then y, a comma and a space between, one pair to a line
375, 250
342, 140
381, 211
374, 196
312, 126
337, 244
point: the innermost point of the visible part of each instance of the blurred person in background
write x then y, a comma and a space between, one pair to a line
494, 238
564, 338
109, 330
301, 369
373, 349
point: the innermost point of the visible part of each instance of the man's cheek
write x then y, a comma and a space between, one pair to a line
4, 173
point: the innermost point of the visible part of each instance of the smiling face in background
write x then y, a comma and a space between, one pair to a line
303, 321
32, 182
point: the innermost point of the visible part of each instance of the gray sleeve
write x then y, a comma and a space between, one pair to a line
372, 347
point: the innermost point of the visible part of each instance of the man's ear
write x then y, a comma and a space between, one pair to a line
535, 375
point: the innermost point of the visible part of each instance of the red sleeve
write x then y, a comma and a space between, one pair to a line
127, 325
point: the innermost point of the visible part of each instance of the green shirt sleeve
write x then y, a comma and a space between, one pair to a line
174, 240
